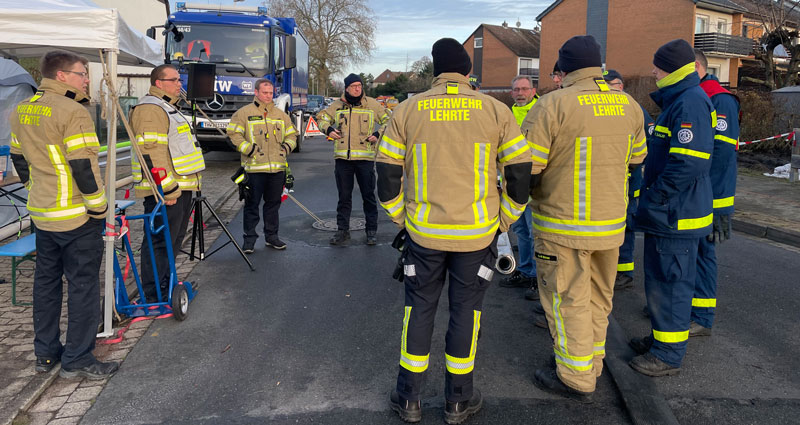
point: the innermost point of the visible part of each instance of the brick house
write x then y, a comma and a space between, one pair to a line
386, 76
500, 53
630, 31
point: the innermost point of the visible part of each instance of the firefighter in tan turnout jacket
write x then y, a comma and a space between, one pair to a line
354, 123
583, 138
54, 150
165, 140
437, 178
265, 136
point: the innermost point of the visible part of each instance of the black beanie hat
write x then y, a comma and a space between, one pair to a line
673, 55
581, 51
352, 78
611, 75
450, 56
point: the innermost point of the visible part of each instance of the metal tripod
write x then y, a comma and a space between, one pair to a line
198, 238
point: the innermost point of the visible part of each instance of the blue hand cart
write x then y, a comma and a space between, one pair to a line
179, 294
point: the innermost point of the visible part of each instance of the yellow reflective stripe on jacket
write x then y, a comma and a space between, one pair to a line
421, 182
354, 153
94, 201
481, 168
267, 166
81, 140
512, 149
539, 153
690, 152
578, 227
465, 365
640, 148
695, 223
15, 141
189, 164
244, 146
411, 362
582, 192
56, 214
599, 348
236, 128
726, 139
579, 363
671, 337
625, 267
509, 208
452, 231
391, 148
723, 202
63, 176
704, 302
665, 130
152, 137
714, 119
394, 208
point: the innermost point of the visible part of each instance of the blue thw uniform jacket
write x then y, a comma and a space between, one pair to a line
676, 198
635, 179
726, 143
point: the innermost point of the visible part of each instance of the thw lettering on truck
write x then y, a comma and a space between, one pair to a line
222, 85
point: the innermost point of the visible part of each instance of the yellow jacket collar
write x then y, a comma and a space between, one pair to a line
63, 89
445, 77
161, 94
676, 76
582, 74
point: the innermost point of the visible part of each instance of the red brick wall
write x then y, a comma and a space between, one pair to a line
636, 29
499, 63
568, 19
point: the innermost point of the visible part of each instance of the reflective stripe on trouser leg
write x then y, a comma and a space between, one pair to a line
670, 269
467, 287
704, 302
625, 263
565, 287
603, 266
424, 280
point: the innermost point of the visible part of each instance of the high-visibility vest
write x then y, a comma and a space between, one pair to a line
187, 157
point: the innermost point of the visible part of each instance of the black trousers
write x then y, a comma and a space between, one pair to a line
364, 172
77, 255
269, 187
178, 217
425, 273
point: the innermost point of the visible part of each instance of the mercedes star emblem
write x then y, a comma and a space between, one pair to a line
216, 103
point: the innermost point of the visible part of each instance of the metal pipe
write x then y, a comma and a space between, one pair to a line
506, 263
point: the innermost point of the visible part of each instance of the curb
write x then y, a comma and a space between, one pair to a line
783, 236
644, 403
32, 391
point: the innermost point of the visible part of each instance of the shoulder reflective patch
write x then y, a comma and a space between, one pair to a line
685, 135
452, 88
602, 85
722, 124
485, 272
545, 257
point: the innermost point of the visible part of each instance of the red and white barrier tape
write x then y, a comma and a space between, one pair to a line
789, 136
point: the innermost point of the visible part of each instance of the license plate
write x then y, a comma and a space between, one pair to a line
212, 124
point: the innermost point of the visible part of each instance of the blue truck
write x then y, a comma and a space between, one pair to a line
245, 44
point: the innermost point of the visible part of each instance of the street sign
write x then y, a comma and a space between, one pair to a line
312, 129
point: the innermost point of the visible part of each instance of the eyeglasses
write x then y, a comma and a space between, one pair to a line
82, 74
521, 89
169, 79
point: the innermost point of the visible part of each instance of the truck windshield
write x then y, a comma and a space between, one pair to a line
216, 43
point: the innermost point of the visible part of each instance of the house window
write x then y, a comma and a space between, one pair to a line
713, 70
701, 24
526, 66
478, 42
722, 26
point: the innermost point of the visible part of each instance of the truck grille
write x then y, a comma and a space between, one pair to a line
231, 104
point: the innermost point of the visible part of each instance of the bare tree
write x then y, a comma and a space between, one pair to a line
340, 32
777, 30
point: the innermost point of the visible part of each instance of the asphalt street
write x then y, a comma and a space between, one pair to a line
313, 336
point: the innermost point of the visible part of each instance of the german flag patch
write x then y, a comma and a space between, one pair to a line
686, 125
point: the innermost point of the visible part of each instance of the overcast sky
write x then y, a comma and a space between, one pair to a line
408, 28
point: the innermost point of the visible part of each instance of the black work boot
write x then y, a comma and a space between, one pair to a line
44, 365
517, 280
95, 371
340, 237
548, 380
540, 321
409, 411
372, 238
696, 329
457, 412
532, 293
650, 365
275, 243
623, 281
641, 345
538, 309
249, 246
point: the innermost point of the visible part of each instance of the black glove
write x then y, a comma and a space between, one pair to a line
722, 228
399, 270
289, 181
399, 242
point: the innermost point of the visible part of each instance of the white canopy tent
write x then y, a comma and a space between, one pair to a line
31, 28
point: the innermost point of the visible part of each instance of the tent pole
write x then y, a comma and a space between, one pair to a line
111, 177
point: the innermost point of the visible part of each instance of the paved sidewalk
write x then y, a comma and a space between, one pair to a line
768, 207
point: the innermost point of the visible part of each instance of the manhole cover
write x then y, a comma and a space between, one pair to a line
329, 224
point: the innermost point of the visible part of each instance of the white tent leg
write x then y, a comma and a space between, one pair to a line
111, 177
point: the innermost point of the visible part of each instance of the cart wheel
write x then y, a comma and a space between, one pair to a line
180, 302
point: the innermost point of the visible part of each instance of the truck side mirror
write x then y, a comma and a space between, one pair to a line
151, 32
290, 59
